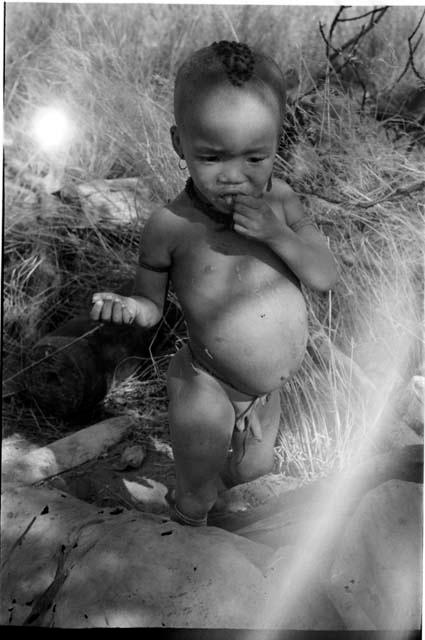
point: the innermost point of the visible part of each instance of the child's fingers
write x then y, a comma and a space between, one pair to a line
96, 310
106, 311
241, 218
243, 224
244, 210
248, 201
103, 296
127, 317
110, 307
117, 312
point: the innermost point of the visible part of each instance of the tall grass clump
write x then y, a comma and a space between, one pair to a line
111, 68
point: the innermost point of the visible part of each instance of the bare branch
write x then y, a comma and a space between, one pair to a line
412, 50
347, 50
335, 21
363, 15
379, 12
327, 42
400, 191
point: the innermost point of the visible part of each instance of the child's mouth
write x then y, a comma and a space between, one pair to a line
228, 201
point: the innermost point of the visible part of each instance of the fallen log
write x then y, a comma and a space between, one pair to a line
70, 369
69, 452
120, 200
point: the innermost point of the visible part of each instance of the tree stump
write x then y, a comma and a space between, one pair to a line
71, 371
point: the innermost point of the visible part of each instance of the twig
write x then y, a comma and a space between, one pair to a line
331, 30
400, 191
363, 15
44, 601
412, 51
364, 30
336, 20
415, 186
305, 192
50, 355
353, 41
17, 543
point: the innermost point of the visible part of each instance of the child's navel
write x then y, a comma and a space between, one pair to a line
208, 268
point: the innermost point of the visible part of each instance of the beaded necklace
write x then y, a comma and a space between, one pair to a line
226, 219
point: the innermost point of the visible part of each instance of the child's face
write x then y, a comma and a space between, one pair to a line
229, 141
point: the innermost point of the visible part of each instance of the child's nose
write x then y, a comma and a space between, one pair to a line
231, 174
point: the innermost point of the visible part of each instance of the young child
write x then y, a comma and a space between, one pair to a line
235, 246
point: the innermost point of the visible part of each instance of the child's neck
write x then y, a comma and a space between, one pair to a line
198, 201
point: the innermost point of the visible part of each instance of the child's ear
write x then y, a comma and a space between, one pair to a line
175, 139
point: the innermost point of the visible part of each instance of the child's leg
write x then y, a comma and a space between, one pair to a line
201, 419
250, 458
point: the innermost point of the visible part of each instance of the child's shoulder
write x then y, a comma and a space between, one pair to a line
164, 226
163, 217
281, 189
283, 193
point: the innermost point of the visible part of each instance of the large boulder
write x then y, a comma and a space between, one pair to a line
69, 564
376, 575
344, 553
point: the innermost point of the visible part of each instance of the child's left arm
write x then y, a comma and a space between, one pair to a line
282, 224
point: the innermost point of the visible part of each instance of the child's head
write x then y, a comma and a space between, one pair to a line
226, 65
228, 103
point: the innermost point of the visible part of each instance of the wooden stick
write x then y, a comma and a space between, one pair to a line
69, 452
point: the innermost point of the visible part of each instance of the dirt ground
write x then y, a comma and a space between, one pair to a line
103, 483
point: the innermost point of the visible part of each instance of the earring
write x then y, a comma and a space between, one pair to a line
269, 184
180, 166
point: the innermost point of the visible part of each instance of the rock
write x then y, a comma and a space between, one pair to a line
148, 493
396, 433
69, 564
124, 570
131, 458
376, 576
251, 494
28, 559
297, 598
282, 520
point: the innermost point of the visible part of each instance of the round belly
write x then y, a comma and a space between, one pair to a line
255, 342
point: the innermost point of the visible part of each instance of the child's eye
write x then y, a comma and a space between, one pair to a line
256, 159
209, 158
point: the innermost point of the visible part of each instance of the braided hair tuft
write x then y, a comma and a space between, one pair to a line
237, 59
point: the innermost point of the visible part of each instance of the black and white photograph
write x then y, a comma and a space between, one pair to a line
213, 367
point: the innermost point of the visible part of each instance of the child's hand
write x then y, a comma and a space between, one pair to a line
254, 218
110, 307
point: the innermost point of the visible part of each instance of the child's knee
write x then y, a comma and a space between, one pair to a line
201, 422
240, 469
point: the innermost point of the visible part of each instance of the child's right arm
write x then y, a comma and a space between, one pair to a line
145, 307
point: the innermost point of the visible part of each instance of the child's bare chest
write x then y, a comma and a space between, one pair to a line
222, 261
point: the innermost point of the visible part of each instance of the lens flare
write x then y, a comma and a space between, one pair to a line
52, 128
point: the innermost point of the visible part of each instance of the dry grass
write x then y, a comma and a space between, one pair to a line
111, 66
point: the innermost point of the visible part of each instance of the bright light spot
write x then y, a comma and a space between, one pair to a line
52, 128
